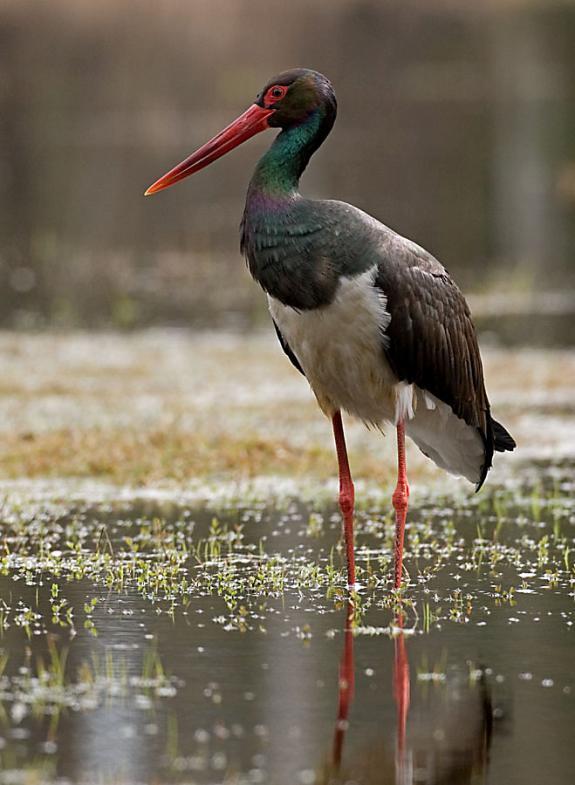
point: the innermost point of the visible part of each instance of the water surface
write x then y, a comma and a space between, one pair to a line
148, 642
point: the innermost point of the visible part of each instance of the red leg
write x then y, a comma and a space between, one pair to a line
400, 499
346, 495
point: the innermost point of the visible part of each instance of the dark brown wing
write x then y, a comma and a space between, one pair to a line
432, 340
287, 349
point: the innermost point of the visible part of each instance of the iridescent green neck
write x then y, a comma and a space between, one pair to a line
279, 170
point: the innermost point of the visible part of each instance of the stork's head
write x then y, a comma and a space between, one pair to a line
290, 99
293, 96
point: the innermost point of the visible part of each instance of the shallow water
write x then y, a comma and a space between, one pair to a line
146, 642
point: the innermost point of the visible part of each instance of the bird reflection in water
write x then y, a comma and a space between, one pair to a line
346, 688
445, 743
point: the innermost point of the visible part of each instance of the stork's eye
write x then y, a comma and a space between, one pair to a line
275, 94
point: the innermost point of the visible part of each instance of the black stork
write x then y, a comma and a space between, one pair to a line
374, 322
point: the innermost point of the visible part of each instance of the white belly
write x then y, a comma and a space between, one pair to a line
340, 348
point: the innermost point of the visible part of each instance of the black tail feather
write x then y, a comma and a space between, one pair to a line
502, 440
496, 438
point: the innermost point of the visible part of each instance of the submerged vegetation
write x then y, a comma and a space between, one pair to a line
241, 557
67, 573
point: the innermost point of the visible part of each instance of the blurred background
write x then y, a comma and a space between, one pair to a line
455, 127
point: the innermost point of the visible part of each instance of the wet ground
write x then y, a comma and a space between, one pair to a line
150, 642
162, 629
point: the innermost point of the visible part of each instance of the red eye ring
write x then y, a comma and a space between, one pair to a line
274, 94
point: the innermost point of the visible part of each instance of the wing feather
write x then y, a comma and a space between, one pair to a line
432, 340
287, 349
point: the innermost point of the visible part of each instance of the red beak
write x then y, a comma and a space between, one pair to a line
251, 122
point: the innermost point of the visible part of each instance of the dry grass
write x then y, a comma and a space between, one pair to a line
153, 407
147, 457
